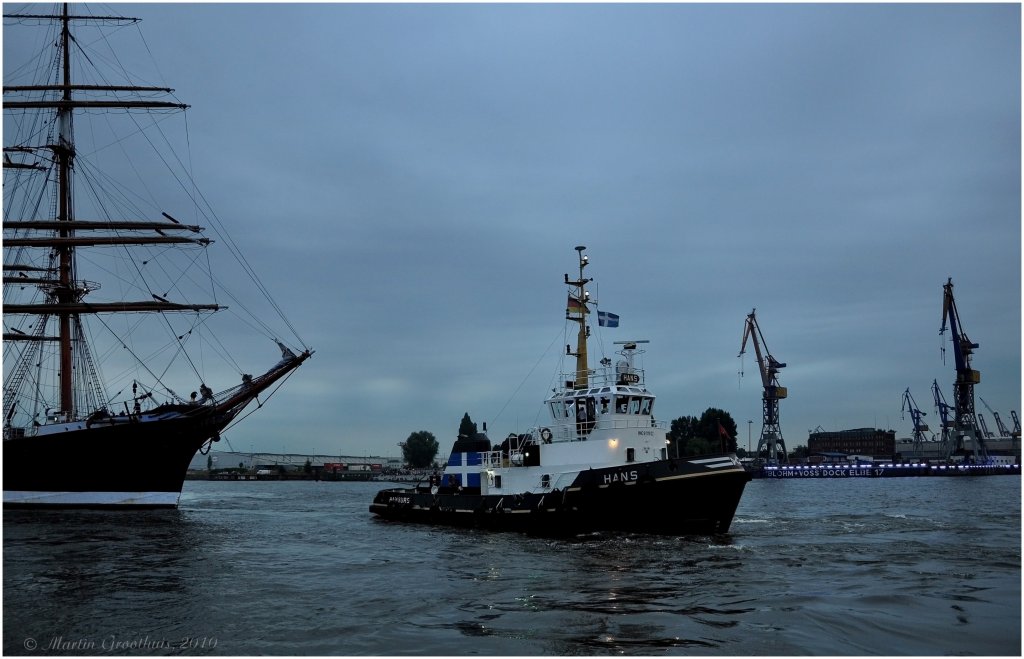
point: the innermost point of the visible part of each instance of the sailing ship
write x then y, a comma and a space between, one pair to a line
90, 417
602, 463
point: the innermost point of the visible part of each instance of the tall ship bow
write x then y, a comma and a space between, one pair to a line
90, 415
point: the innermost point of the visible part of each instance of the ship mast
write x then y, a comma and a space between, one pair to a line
64, 151
577, 311
65, 294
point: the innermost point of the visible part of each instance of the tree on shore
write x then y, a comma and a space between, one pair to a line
467, 427
420, 449
713, 432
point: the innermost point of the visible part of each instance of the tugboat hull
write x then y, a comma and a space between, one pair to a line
602, 464
669, 497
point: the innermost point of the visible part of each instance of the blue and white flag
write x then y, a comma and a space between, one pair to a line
605, 319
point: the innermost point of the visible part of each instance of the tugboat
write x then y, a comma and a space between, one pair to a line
601, 464
89, 415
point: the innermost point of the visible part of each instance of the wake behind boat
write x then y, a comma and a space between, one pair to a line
71, 230
601, 463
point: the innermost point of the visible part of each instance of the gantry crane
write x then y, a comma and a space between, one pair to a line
985, 432
1016, 424
965, 423
920, 427
1003, 430
943, 409
771, 435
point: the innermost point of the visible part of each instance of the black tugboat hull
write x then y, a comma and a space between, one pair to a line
136, 465
666, 497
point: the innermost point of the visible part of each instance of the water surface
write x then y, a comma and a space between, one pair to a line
851, 567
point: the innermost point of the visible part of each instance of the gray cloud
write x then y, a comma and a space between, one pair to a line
414, 178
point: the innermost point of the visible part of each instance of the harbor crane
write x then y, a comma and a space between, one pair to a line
920, 427
1016, 423
943, 409
985, 432
771, 435
965, 423
1003, 430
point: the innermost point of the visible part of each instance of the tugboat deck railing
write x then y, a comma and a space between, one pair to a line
608, 377
577, 431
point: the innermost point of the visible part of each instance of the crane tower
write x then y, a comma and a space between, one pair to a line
944, 411
965, 422
920, 427
771, 435
1003, 430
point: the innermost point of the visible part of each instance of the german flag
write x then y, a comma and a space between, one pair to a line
575, 306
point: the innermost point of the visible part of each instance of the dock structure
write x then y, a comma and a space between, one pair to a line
292, 461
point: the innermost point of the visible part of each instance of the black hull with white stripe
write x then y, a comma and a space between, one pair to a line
672, 497
126, 461
134, 465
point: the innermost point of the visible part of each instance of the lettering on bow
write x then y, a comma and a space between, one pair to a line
620, 477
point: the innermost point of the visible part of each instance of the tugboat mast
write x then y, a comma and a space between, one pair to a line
577, 311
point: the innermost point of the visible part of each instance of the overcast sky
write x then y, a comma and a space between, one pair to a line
411, 180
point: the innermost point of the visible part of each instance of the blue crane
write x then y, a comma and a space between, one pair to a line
965, 422
920, 427
943, 409
771, 433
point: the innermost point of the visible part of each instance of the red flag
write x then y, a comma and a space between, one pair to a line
724, 437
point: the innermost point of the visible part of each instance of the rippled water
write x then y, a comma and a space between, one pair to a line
880, 566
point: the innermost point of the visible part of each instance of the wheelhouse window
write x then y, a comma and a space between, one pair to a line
646, 404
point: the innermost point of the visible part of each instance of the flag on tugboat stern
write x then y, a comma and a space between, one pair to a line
606, 319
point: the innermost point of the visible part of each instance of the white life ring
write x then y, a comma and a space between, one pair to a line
545, 435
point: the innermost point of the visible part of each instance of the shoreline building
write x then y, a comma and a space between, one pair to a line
862, 442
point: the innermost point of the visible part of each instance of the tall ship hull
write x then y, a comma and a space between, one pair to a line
601, 464
99, 323
136, 460
96, 467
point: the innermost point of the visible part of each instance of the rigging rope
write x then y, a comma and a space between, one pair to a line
532, 369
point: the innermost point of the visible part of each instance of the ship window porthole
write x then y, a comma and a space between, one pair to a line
630, 455
497, 481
